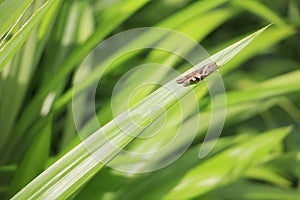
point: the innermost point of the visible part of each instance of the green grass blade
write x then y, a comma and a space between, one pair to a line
261, 10
241, 103
280, 85
12, 46
34, 161
10, 12
267, 39
228, 53
162, 180
158, 76
22, 68
267, 174
74, 169
191, 12
236, 160
253, 191
31, 112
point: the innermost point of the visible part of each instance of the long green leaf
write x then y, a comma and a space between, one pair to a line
31, 112
21, 68
252, 191
10, 12
73, 170
260, 9
12, 46
211, 174
162, 180
33, 109
34, 161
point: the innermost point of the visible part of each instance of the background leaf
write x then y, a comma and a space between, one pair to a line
43, 46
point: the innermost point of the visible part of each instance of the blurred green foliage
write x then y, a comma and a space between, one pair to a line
43, 44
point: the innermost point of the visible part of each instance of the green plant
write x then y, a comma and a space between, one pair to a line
41, 52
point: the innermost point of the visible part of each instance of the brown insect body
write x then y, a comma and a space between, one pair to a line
198, 75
